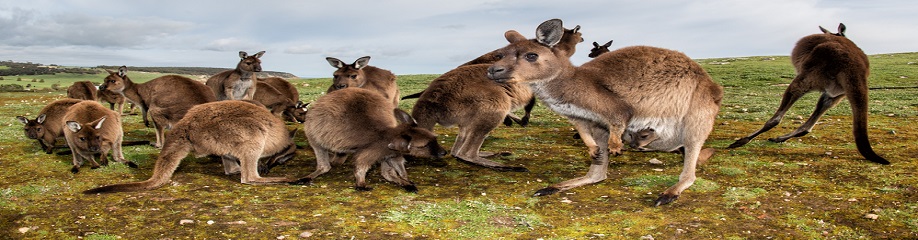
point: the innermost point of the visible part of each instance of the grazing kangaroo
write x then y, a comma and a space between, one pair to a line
239, 83
280, 105
631, 88
361, 122
832, 64
466, 97
49, 125
84, 90
361, 75
236, 130
289, 91
599, 49
166, 99
93, 129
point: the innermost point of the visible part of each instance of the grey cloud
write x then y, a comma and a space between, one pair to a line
26, 28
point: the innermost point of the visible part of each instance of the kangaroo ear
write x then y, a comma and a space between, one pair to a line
41, 118
400, 143
362, 62
243, 54
74, 126
595, 45
608, 44
404, 117
841, 29
22, 119
334, 62
122, 71
549, 32
97, 123
513, 36
259, 54
576, 28
824, 30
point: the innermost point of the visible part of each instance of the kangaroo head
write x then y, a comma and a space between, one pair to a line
413, 140
298, 113
115, 81
348, 75
530, 61
33, 128
87, 136
599, 49
249, 63
569, 41
642, 138
841, 30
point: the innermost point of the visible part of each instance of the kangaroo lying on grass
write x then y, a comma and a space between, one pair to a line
236, 130
362, 123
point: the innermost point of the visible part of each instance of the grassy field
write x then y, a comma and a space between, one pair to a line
814, 187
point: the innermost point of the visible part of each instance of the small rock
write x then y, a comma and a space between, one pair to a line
798, 117
648, 237
210, 222
779, 163
281, 237
185, 221
23, 229
658, 169
871, 216
240, 222
852, 199
306, 234
829, 153
565, 200
891, 115
655, 161
680, 231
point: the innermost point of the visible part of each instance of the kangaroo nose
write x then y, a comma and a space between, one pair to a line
492, 70
340, 86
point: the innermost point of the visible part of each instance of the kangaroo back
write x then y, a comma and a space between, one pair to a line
84, 90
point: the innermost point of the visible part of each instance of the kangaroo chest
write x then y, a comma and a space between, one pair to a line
563, 107
240, 87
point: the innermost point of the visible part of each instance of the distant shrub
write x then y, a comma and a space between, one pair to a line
11, 88
34, 80
56, 86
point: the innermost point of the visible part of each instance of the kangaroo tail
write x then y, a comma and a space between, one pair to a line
175, 149
857, 96
416, 95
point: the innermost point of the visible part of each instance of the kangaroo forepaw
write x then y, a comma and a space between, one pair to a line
546, 191
75, 170
131, 164
302, 181
411, 188
665, 199
363, 189
739, 143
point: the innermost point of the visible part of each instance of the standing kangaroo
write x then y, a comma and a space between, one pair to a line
361, 75
49, 125
84, 90
832, 64
93, 129
632, 88
165, 98
236, 130
239, 83
362, 123
113, 99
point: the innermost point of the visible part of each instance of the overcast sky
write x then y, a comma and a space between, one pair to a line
417, 36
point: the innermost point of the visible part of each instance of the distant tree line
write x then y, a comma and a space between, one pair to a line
28, 68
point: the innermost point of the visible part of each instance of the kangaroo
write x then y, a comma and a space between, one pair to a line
631, 88
288, 90
466, 97
113, 99
93, 129
361, 122
49, 125
599, 49
270, 97
239, 83
166, 99
236, 130
639, 140
832, 64
84, 90
361, 75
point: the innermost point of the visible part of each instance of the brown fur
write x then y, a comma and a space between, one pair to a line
49, 125
90, 129
239, 83
238, 131
113, 99
361, 75
630, 88
832, 64
361, 122
166, 99
466, 97
286, 89
599, 49
638, 141
274, 100
84, 90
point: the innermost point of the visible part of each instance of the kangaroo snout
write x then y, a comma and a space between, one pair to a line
340, 86
497, 73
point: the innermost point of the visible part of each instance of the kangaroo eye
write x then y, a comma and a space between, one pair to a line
82, 139
532, 57
353, 76
499, 56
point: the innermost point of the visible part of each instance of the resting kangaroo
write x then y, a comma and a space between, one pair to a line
49, 125
361, 75
165, 98
236, 130
92, 129
289, 91
599, 49
239, 83
832, 64
84, 90
361, 122
631, 88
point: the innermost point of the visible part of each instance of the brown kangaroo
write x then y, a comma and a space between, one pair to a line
361, 75
639, 140
93, 129
113, 99
239, 83
280, 105
84, 90
832, 64
361, 122
289, 91
236, 130
165, 98
630, 88
599, 49
49, 125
